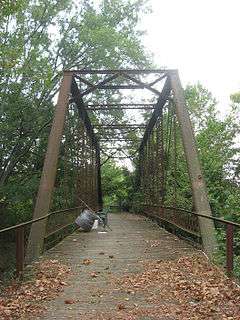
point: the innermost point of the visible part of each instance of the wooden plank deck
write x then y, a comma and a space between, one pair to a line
119, 252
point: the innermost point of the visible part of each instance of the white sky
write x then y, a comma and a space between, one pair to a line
200, 38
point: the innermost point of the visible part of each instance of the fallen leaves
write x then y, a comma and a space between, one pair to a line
153, 243
93, 275
69, 301
121, 306
188, 288
20, 300
86, 262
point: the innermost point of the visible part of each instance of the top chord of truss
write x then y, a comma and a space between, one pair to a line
120, 106
129, 71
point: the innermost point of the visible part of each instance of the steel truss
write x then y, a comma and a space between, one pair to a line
75, 86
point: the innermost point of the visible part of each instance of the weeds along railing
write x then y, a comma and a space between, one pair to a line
59, 224
187, 221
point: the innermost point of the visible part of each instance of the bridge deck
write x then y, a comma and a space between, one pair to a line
117, 253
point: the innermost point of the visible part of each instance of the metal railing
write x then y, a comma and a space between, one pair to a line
20, 236
230, 226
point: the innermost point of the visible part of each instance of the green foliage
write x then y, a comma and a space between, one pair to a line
39, 39
137, 200
117, 185
217, 140
235, 97
220, 254
219, 153
201, 105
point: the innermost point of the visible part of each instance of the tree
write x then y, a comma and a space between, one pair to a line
219, 152
235, 97
117, 185
39, 40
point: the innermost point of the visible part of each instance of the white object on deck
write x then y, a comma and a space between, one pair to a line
95, 225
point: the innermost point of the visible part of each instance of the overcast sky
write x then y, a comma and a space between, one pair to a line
201, 38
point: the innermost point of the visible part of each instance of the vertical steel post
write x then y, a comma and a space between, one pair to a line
158, 165
99, 183
92, 176
19, 251
37, 233
198, 185
162, 162
147, 172
174, 166
229, 247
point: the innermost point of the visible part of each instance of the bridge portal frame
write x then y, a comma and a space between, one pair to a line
69, 92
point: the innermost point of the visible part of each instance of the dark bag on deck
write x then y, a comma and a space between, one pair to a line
86, 220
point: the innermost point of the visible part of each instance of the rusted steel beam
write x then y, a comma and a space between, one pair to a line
121, 157
84, 81
118, 108
115, 139
157, 80
99, 182
28, 223
157, 112
36, 237
229, 247
119, 132
83, 113
120, 87
129, 71
118, 148
197, 181
19, 251
100, 84
121, 104
145, 85
119, 126
105, 87
116, 134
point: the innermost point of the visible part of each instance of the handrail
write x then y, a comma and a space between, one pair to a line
20, 230
206, 216
23, 224
230, 225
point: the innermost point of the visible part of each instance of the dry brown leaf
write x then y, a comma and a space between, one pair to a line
93, 274
69, 301
87, 261
121, 306
22, 300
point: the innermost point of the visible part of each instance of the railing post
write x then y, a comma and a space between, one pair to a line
229, 249
19, 251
